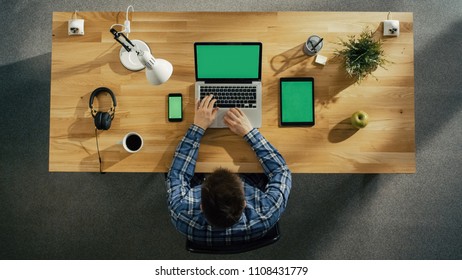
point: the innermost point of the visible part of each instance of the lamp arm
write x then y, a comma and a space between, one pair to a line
125, 42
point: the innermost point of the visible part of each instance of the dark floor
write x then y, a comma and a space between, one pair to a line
124, 216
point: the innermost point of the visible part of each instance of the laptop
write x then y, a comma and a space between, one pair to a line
232, 73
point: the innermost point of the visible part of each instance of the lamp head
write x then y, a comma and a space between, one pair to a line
158, 71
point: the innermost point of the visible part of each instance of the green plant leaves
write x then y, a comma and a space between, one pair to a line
361, 56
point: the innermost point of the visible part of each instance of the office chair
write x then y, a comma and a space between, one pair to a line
270, 237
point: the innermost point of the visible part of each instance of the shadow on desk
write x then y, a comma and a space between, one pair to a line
342, 131
283, 61
109, 157
96, 64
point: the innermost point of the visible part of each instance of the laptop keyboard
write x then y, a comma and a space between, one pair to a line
232, 96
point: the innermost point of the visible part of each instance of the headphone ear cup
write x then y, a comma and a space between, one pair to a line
98, 120
105, 121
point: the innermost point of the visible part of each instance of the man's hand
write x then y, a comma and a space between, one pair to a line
237, 121
205, 114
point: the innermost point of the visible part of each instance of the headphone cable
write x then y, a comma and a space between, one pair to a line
99, 155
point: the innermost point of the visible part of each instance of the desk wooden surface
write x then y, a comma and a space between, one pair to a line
82, 63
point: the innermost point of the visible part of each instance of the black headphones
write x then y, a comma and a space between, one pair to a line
103, 119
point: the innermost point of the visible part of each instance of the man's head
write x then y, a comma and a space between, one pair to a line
222, 198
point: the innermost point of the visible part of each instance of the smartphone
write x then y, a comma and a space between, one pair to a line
175, 107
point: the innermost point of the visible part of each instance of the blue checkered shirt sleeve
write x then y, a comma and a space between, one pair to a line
180, 174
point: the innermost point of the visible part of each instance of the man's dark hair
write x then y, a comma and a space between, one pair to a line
222, 198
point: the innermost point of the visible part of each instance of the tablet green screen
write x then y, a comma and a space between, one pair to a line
297, 101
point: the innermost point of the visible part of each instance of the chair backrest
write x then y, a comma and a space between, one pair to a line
270, 237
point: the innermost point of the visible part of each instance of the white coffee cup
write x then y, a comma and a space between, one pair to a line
132, 142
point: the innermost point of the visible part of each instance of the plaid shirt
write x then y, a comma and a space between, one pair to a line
263, 209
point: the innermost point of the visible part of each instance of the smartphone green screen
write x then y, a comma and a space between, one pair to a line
297, 102
174, 107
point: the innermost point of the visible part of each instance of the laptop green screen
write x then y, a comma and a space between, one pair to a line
228, 61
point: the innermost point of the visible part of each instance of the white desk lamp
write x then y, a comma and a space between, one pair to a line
136, 55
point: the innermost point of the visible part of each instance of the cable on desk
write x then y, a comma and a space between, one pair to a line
99, 155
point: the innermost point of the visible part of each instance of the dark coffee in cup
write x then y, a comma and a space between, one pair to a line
133, 142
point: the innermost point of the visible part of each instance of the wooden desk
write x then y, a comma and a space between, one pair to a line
82, 63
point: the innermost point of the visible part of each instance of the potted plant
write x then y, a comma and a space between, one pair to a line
361, 56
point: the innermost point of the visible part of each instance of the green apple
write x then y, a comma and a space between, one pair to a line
359, 119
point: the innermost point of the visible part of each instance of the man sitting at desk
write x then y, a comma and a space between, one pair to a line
225, 207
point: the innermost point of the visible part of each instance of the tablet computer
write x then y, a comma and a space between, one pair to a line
296, 101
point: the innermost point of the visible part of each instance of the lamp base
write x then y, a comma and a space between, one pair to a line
130, 59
